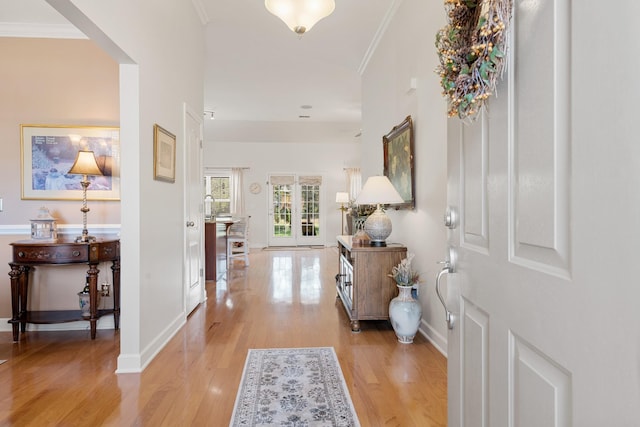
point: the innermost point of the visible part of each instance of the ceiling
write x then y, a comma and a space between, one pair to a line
258, 73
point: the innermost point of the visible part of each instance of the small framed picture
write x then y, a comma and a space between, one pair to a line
164, 154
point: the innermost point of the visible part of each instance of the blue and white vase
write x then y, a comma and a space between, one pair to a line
405, 313
85, 303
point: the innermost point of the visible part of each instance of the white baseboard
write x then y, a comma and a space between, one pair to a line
438, 341
105, 322
135, 363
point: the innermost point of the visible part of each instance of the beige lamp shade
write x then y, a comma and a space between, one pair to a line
342, 197
300, 15
85, 164
378, 190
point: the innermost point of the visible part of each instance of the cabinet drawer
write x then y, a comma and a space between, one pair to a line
58, 254
106, 251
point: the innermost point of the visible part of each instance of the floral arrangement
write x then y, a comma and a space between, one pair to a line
471, 49
360, 210
403, 274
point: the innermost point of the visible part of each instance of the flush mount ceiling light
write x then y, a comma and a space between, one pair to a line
300, 15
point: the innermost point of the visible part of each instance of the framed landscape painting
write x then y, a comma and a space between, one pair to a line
399, 162
48, 151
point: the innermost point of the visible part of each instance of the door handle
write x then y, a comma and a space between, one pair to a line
449, 267
190, 224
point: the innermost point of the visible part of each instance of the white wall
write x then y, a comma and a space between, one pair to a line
160, 46
407, 51
262, 158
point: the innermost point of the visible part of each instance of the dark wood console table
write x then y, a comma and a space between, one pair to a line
30, 253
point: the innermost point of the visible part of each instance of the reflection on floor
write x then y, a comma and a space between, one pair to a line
287, 298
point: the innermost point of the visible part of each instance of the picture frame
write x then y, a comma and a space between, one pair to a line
47, 152
399, 165
164, 154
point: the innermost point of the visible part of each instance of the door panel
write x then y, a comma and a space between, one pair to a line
473, 178
540, 165
541, 387
475, 372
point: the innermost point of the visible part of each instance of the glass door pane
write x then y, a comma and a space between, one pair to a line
310, 228
281, 231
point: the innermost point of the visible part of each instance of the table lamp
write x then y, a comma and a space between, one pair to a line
378, 190
85, 165
342, 198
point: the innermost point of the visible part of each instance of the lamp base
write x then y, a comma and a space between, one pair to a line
378, 227
85, 239
378, 243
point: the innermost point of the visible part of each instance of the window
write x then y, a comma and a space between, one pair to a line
217, 189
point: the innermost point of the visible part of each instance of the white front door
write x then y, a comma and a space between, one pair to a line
544, 291
194, 220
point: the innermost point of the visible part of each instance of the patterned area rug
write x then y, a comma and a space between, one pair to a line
293, 387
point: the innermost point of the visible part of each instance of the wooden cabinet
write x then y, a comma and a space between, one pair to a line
363, 284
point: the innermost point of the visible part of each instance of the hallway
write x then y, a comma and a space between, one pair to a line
285, 299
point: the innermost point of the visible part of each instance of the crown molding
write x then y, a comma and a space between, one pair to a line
43, 31
393, 8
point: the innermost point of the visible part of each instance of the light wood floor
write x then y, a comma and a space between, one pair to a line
284, 299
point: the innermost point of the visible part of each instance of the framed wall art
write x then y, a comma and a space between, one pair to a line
48, 151
164, 155
399, 163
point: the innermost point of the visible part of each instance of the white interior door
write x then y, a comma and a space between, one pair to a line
194, 220
544, 290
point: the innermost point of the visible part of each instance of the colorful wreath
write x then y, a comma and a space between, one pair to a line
472, 51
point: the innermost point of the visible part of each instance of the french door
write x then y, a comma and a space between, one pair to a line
295, 214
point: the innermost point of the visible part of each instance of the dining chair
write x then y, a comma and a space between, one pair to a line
237, 241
